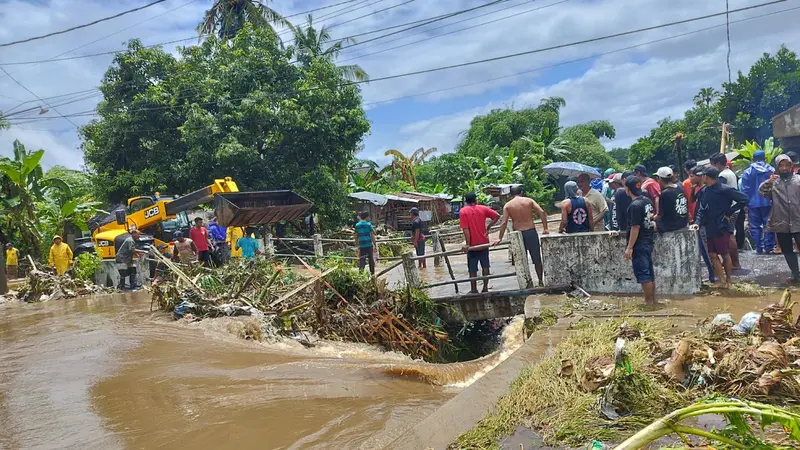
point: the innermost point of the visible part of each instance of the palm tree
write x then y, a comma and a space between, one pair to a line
706, 96
407, 165
226, 17
312, 43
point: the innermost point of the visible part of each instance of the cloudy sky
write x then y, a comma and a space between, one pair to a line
630, 80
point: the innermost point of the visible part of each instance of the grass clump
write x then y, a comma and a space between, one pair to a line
548, 396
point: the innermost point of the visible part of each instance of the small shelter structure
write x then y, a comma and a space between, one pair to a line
786, 128
500, 193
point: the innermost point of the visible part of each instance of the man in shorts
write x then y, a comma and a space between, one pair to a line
472, 220
717, 205
641, 237
520, 210
417, 236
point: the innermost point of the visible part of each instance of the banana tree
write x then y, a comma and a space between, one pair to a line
23, 184
57, 212
771, 151
406, 166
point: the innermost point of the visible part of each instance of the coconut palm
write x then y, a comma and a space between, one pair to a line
706, 96
313, 43
407, 165
226, 17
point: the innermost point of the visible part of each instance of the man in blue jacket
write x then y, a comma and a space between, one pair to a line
758, 207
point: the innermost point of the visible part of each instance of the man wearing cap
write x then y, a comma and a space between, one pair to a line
610, 185
60, 257
472, 220
595, 200
12, 261
641, 238
619, 209
417, 236
521, 210
126, 257
717, 205
674, 212
758, 207
783, 189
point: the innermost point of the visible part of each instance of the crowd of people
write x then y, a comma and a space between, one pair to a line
711, 200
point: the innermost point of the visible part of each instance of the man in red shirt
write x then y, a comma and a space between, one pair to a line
473, 222
199, 235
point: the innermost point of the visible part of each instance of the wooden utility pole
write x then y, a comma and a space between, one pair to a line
724, 140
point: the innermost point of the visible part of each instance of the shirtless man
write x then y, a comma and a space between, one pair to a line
520, 210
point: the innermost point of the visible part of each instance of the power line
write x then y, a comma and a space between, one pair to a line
371, 14
454, 31
486, 60
728, 29
31, 92
676, 36
7, 44
318, 9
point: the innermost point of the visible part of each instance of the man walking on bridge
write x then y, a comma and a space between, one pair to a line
520, 210
473, 221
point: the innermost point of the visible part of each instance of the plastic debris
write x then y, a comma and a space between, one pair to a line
747, 323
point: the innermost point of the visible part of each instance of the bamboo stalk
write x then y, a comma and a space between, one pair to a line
300, 288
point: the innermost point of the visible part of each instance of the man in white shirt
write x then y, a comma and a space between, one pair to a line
594, 200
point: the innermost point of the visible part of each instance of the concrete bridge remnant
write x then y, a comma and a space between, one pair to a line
595, 262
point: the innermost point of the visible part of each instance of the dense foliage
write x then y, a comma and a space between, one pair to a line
236, 108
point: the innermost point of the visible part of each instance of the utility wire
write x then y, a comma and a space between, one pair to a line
486, 60
31, 92
318, 9
454, 31
371, 14
7, 44
728, 30
563, 63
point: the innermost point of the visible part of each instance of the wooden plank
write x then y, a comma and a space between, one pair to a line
300, 288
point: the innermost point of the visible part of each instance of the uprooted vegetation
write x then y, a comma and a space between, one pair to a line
611, 378
43, 286
343, 304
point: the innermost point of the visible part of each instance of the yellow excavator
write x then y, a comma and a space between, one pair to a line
157, 217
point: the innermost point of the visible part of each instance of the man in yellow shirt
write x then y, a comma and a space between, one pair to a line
232, 237
12, 261
60, 256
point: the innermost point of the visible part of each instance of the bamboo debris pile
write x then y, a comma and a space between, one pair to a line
43, 286
337, 303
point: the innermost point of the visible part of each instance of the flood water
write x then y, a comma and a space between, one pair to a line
106, 373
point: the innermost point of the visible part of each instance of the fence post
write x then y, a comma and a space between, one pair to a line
411, 271
437, 260
3, 279
516, 247
269, 247
318, 245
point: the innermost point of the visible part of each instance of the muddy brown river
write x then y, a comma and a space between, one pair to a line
105, 373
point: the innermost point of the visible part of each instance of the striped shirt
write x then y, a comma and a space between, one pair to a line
364, 231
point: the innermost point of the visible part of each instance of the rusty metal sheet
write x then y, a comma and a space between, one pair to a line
246, 209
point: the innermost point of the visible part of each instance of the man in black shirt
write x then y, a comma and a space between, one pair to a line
674, 212
641, 238
619, 209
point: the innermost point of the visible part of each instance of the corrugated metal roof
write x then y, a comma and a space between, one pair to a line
429, 196
375, 199
401, 198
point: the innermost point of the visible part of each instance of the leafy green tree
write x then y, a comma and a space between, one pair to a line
312, 43
237, 108
452, 170
585, 144
226, 17
501, 127
620, 155
771, 86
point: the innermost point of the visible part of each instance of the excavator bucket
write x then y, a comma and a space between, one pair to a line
246, 209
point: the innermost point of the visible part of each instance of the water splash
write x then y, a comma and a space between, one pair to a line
463, 374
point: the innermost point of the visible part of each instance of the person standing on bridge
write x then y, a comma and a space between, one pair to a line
472, 220
365, 239
597, 204
576, 216
417, 236
641, 237
783, 188
520, 210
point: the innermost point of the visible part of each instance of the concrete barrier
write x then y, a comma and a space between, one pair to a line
595, 262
